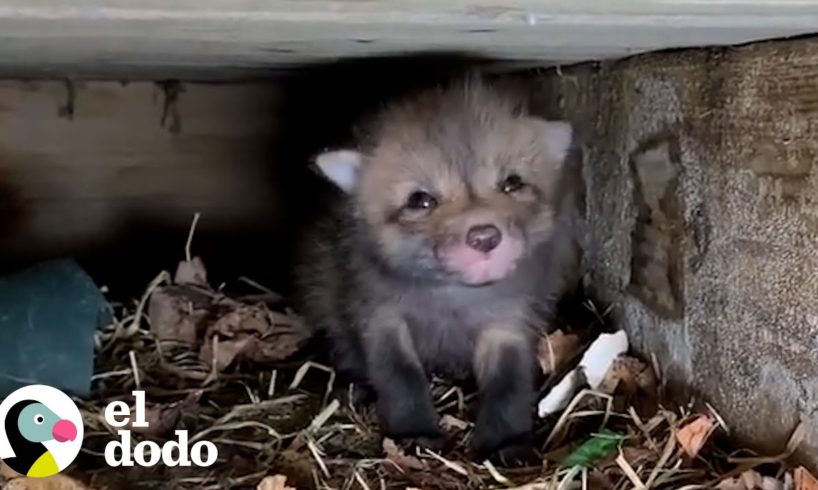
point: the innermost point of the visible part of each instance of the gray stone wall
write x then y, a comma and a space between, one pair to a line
703, 210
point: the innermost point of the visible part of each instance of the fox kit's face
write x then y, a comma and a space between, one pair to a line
456, 186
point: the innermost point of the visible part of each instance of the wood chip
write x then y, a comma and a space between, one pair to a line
278, 482
556, 350
693, 436
631, 375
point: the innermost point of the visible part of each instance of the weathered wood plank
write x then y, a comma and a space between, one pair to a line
227, 38
76, 174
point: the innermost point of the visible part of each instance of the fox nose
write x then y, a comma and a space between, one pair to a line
484, 238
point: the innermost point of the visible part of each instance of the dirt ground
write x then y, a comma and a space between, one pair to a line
236, 366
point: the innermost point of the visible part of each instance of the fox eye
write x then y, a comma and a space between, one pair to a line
512, 183
421, 200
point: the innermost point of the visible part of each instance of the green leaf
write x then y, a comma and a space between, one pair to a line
595, 449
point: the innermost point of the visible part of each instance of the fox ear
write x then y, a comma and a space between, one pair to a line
559, 139
342, 167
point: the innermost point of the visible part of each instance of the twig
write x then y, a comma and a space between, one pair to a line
190, 234
162, 278
135, 369
324, 416
629, 472
449, 464
271, 389
669, 447
317, 455
561, 422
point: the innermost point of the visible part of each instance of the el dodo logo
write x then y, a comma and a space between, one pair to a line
149, 453
40, 431
41, 434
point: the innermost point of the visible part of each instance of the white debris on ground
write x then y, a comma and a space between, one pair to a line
593, 369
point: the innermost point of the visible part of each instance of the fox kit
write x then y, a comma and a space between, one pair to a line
452, 238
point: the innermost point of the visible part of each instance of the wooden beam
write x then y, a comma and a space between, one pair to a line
231, 38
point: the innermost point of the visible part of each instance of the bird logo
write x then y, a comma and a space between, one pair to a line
40, 431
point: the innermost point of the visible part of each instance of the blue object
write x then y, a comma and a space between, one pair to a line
48, 317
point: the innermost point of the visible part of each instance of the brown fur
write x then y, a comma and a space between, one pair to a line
371, 277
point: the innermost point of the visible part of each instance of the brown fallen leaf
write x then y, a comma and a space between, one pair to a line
397, 456
693, 436
226, 351
278, 482
556, 349
179, 313
253, 333
630, 375
243, 319
804, 479
191, 272
56, 482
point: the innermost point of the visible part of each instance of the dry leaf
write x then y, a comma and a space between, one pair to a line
191, 272
56, 482
804, 480
226, 351
693, 436
632, 375
253, 333
278, 482
178, 313
556, 350
397, 455
243, 319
